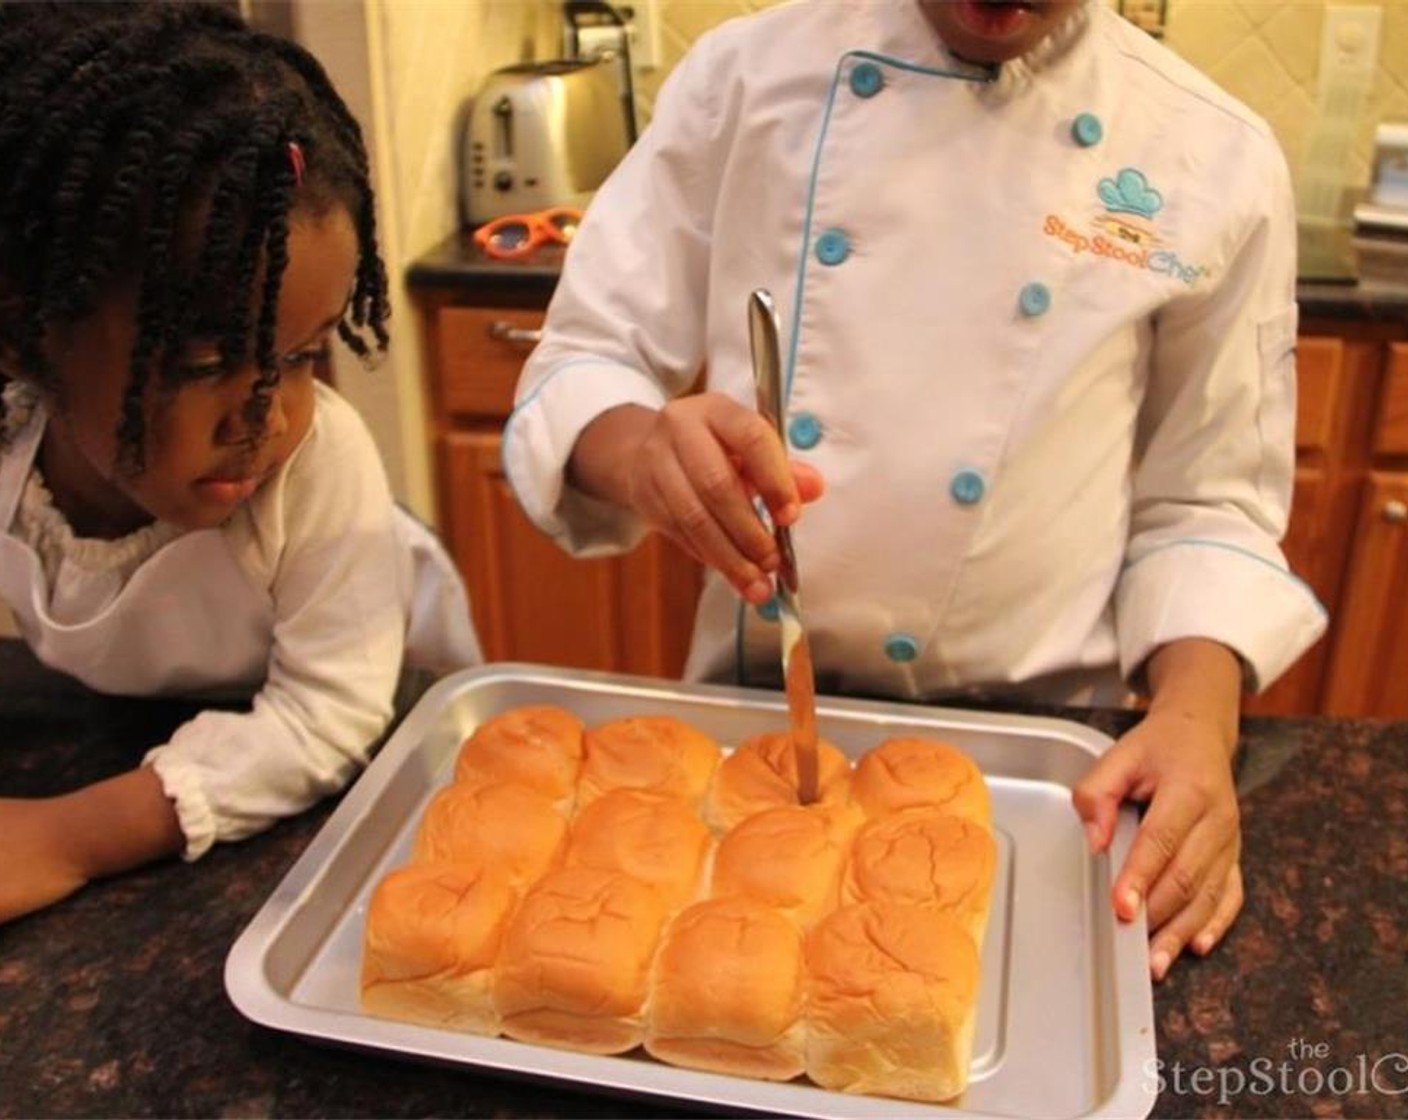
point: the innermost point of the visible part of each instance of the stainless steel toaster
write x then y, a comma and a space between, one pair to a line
541, 134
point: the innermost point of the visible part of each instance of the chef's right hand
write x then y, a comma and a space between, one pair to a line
692, 469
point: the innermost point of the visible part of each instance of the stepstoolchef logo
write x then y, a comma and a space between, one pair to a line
1125, 232
1300, 1076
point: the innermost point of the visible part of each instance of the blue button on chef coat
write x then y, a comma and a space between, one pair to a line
867, 80
1035, 299
804, 431
901, 647
967, 487
833, 246
1087, 130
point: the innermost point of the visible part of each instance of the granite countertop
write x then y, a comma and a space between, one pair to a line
457, 267
113, 1002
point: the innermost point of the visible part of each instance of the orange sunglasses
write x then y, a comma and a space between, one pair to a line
517, 235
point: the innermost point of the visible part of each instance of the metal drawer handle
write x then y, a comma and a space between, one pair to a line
1395, 512
507, 332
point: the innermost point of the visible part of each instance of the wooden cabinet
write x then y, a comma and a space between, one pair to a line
533, 602
1348, 535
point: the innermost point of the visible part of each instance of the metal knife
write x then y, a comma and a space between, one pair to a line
796, 655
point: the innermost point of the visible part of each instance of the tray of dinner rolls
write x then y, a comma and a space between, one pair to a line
609, 881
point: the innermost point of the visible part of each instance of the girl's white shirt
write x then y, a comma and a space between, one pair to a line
308, 599
1038, 335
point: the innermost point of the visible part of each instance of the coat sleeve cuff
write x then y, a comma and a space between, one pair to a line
1209, 589
538, 441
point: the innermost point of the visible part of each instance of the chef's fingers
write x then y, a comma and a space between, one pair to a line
810, 482
1171, 816
752, 441
689, 520
1201, 858
1098, 795
1169, 938
710, 468
1228, 907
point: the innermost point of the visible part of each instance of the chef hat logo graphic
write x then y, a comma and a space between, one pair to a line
1129, 193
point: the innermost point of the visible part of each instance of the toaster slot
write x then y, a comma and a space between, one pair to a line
503, 128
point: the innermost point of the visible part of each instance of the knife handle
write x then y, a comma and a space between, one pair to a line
763, 333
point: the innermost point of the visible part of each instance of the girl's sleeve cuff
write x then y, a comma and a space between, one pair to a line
193, 811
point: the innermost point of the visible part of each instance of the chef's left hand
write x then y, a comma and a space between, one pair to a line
1184, 860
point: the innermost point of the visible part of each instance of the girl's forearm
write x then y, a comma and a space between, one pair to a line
119, 823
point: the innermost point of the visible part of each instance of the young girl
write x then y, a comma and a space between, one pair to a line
185, 220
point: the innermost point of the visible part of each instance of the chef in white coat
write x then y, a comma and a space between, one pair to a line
1036, 277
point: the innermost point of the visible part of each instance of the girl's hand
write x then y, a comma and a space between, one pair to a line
39, 870
1184, 861
692, 470
51, 846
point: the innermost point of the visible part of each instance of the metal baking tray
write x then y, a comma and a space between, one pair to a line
1065, 1018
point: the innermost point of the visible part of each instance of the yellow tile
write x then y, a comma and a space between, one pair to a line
691, 18
1293, 34
1205, 33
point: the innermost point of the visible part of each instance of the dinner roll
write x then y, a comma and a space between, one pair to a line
575, 961
726, 992
901, 773
506, 824
891, 999
657, 839
659, 754
789, 858
537, 745
924, 857
433, 931
761, 773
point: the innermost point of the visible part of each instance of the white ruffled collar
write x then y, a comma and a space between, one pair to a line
42, 525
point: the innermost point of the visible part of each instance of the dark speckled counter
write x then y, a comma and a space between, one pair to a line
113, 1003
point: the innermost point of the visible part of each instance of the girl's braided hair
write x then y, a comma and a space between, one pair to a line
145, 147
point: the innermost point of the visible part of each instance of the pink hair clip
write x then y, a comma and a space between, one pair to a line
295, 157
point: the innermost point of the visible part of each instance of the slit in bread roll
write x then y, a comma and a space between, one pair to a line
658, 754
904, 773
539, 746
433, 931
789, 858
655, 838
506, 824
761, 773
727, 989
891, 1000
574, 965
925, 857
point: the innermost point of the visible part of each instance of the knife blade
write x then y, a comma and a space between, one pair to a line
798, 675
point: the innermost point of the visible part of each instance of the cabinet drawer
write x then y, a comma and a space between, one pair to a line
482, 351
1391, 427
1319, 369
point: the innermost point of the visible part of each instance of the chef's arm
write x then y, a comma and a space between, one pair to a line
1215, 453
627, 326
51, 846
690, 470
1182, 869
1198, 681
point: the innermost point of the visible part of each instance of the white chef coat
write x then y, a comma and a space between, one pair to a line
1038, 335
307, 599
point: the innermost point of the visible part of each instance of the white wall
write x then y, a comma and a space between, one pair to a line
404, 67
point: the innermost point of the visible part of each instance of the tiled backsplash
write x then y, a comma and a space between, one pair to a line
1264, 52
